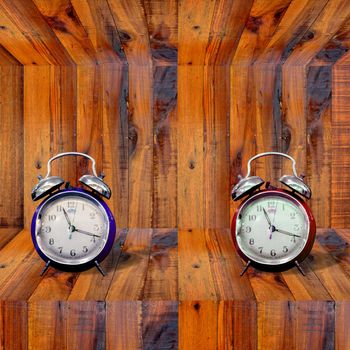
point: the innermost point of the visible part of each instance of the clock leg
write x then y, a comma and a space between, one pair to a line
47, 265
245, 268
99, 268
299, 267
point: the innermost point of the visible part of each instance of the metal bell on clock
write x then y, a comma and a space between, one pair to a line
51, 183
249, 184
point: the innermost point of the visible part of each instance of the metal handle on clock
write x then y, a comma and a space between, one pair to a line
60, 155
273, 154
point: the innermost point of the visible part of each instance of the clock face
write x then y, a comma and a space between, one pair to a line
272, 228
72, 228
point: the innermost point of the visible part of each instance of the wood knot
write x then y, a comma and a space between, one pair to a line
197, 306
38, 164
196, 27
196, 266
191, 164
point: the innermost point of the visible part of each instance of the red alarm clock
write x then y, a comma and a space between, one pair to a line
273, 229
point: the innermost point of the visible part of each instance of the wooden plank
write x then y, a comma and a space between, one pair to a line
6, 234
115, 139
160, 325
162, 21
16, 42
97, 20
313, 324
6, 59
194, 329
11, 146
130, 19
340, 186
319, 141
64, 22
36, 131
195, 276
89, 117
237, 325
140, 146
226, 267
342, 319
47, 325
274, 326
123, 325
90, 284
331, 275
9, 261
229, 19
216, 176
86, 328
130, 276
162, 275
165, 146
29, 21
190, 143
337, 245
194, 21
15, 318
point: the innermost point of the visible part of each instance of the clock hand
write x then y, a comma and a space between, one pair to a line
285, 232
86, 233
267, 217
67, 217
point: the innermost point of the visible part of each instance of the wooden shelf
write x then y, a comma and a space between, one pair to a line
169, 289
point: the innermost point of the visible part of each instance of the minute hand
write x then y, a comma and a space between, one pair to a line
286, 233
86, 233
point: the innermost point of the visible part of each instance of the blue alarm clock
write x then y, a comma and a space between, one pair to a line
73, 229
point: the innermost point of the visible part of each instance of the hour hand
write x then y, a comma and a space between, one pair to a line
286, 233
267, 217
67, 217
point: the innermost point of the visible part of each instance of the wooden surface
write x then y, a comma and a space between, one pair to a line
172, 98
169, 289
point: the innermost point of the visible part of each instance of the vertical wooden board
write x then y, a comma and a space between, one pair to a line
195, 276
115, 139
64, 22
275, 325
27, 18
89, 116
47, 325
140, 146
90, 284
130, 19
1, 325
123, 325
228, 22
226, 267
15, 321
11, 145
198, 325
216, 176
194, 28
165, 146
160, 325
342, 319
340, 189
268, 85
294, 121
131, 272
86, 325
319, 141
37, 131
190, 143
313, 324
162, 275
242, 123
162, 21
63, 119
6, 234
97, 20
237, 321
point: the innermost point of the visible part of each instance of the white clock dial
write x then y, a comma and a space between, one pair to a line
72, 229
272, 229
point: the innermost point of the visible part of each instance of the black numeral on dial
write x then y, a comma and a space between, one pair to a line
252, 217
260, 249
273, 252
251, 241
85, 249
51, 241
72, 252
285, 249
52, 217
60, 249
